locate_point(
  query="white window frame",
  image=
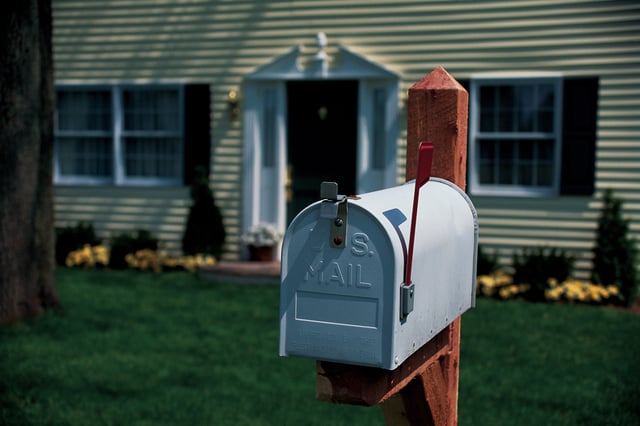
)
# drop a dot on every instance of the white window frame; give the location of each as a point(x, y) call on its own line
point(118, 134)
point(477, 81)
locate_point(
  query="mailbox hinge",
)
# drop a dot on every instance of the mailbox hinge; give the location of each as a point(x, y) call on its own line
point(334, 208)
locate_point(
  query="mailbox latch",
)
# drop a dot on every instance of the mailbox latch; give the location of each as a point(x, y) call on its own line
point(406, 299)
point(334, 208)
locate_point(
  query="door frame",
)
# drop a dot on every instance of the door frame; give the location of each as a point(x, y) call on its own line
point(264, 113)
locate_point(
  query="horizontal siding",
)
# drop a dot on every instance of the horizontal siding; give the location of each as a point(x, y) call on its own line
point(220, 42)
point(112, 210)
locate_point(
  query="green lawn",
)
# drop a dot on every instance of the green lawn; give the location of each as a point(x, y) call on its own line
point(170, 349)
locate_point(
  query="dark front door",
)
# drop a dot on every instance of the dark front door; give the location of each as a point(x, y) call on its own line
point(321, 139)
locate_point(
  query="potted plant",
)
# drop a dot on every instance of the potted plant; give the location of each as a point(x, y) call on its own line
point(261, 239)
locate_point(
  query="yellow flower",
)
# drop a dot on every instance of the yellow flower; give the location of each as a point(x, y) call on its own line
point(503, 279)
point(504, 292)
point(572, 293)
point(485, 282)
point(489, 291)
point(613, 290)
point(170, 262)
point(101, 255)
point(554, 293)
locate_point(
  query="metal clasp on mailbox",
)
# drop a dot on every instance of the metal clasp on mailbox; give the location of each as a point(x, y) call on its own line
point(334, 207)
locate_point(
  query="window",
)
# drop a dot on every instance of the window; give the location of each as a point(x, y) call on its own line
point(120, 135)
point(515, 135)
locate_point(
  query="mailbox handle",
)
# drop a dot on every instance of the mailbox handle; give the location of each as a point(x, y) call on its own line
point(425, 161)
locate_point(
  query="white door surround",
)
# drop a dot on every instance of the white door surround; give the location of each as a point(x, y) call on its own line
point(265, 124)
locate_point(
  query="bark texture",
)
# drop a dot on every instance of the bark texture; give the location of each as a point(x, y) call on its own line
point(27, 284)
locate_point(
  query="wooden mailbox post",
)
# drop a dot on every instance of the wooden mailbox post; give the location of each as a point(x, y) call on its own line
point(424, 389)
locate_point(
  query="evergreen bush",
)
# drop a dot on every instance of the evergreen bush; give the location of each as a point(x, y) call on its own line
point(129, 243)
point(535, 266)
point(487, 262)
point(614, 253)
point(204, 232)
point(72, 238)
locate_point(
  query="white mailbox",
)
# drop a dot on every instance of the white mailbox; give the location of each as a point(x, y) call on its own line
point(345, 296)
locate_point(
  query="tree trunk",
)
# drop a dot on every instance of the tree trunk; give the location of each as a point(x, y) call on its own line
point(27, 284)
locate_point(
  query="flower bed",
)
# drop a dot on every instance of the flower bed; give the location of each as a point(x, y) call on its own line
point(500, 285)
point(583, 292)
point(143, 260)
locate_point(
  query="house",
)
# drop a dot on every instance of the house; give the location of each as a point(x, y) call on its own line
point(274, 96)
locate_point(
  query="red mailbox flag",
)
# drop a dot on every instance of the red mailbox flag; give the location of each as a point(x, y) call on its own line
point(425, 161)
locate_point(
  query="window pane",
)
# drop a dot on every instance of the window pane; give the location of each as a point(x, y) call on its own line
point(546, 96)
point(506, 109)
point(518, 108)
point(84, 110)
point(487, 97)
point(545, 149)
point(506, 121)
point(85, 156)
point(545, 163)
point(526, 108)
point(506, 97)
point(526, 162)
point(506, 164)
point(487, 108)
point(151, 109)
point(515, 162)
point(545, 121)
point(148, 153)
point(487, 120)
point(153, 157)
point(487, 163)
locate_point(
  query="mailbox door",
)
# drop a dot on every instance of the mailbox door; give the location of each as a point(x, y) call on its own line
point(337, 304)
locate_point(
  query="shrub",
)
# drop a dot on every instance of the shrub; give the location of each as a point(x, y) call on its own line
point(487, 262)
point(535, 266)
point(204, 231)
point(71, 238)
point(614, 253)
point(125, 243)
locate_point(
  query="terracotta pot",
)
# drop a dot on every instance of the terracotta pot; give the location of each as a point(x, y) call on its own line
point(261, 253)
